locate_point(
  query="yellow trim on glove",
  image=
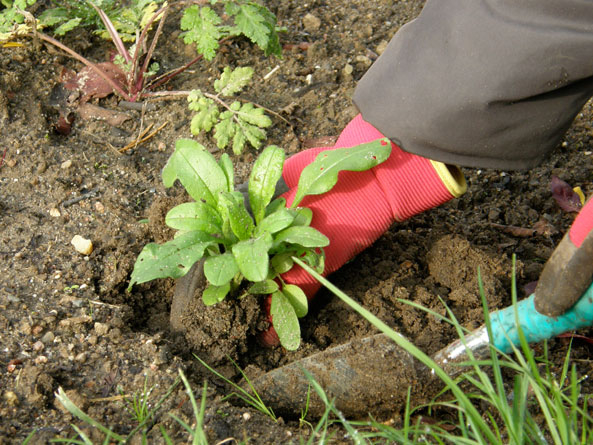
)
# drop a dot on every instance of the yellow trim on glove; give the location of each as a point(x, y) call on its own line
point(452, 178)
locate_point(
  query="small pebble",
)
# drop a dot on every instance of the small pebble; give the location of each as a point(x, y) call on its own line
point(101, 328)
point(10, 162)
point(246, 416)
point(40, 360)
point(38, 346)
point(11, 398)
point(363, 60)
point(381, 47)
point(55, 213)
point(99, 207)
point(41, 167)
point(48, 337)
point(82, 245)
point(66, 164)
point(311, 23)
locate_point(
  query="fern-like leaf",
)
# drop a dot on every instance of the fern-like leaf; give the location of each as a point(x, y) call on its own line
point(257, 23)
point(207, 112)
point(233, 81)
point(225, 129)
point(201, 27)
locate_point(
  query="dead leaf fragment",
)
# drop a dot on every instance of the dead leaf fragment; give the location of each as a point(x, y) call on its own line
point(544, 228)
point(112, 117)
point(565, 196)
point(91, 84)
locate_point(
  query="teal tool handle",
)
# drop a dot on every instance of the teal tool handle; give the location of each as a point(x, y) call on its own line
point(536, 326)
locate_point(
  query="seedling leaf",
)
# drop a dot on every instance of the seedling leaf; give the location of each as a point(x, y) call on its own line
point(252, 257)
point(297, 298)
point(266, 172)
point(234, 209)
point(215, 294)
point(322, 174)
point(257, 23)
point(265, 287)
point(201, 27)
point(194, 216)
point(224, 129)
point(197, 170)
point(233, 81)
point(275, 205)
point(282, 262)
point(302, 216)
point(249, 114)
point(227, 167)
point(67, 26)
point(285, 321)
point(207, 112)
point(220, 269)
point(172, 259)
point(277, 221)
point(302, 235)
point(313, 258)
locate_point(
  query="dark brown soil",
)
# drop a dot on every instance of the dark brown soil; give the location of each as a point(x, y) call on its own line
point(66, 319)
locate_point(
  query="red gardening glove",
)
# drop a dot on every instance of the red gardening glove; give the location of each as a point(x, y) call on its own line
point(362, 205)
point(569, 270)
point(582, 225)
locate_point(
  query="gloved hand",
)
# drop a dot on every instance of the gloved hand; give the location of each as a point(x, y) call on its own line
point(362, 206)
point(569, 271)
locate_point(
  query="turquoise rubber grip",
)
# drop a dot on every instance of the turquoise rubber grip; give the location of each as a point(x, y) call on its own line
point(536, 326)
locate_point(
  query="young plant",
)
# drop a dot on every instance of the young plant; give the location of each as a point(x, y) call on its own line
point(12, 19)
point(238, 123)
point(237, 244)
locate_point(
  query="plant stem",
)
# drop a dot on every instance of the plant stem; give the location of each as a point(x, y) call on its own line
point(117, 41)
point(137, 77)
point(88, 63)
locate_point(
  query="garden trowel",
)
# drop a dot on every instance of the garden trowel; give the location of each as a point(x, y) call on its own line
point(373, 374)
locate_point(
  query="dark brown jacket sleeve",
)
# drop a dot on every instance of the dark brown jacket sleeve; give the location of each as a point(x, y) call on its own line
point(483, 83)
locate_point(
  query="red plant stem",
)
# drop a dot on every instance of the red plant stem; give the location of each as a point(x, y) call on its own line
point(88, 63)
point(166, 77)
point(140, 77)
point(119, 44)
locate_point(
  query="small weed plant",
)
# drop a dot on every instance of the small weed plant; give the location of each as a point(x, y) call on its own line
point(256, 246)
point(238, 122)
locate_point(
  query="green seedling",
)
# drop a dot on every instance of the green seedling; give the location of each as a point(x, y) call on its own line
point(237, 245)
point(12, 18)
point(238, 123)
